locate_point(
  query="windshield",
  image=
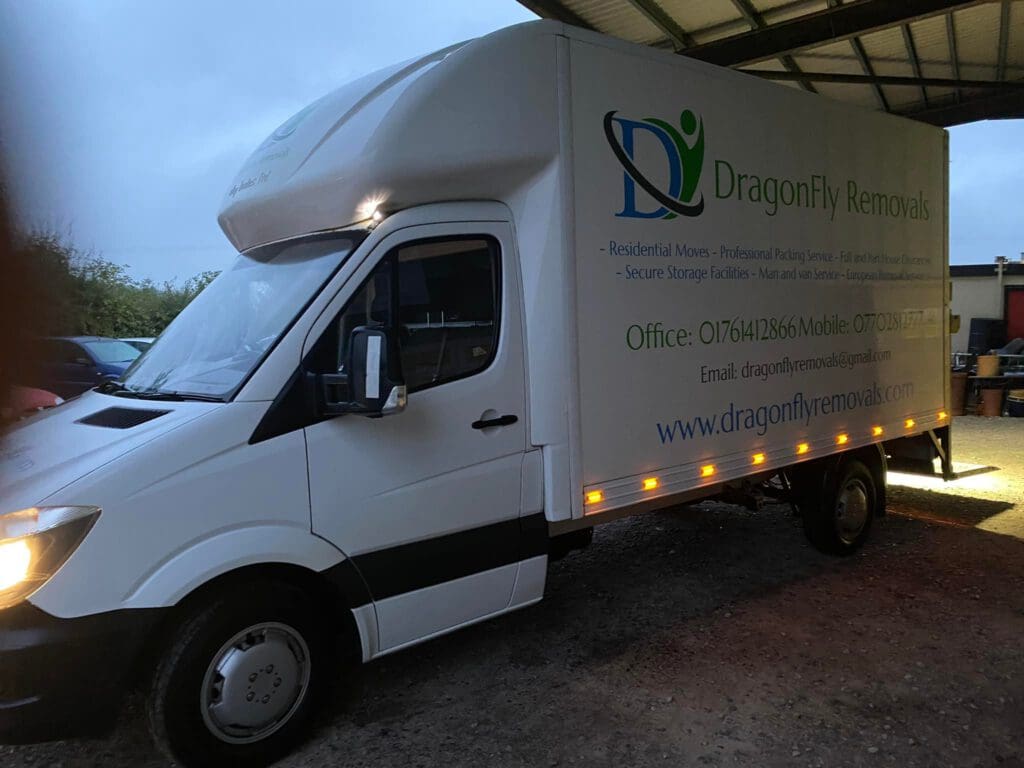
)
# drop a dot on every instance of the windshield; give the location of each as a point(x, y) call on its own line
point(112, 351)
point(216, 342)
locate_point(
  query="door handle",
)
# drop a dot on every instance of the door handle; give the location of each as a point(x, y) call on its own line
point(500, 421)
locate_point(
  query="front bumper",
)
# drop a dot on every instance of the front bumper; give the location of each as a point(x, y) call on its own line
point(65, 677)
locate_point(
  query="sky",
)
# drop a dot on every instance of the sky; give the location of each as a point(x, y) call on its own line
point(124, 122)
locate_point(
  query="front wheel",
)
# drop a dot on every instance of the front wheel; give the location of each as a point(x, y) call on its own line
point(838, 516)
point(237, 684)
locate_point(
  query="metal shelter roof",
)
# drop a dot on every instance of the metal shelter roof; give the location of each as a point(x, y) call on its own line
point(944, 62)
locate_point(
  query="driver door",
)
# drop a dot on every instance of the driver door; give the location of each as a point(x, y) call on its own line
point(426, 502)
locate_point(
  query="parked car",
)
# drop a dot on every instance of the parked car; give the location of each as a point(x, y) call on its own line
point(70, 365)
point(141, 343)
point(24, 401)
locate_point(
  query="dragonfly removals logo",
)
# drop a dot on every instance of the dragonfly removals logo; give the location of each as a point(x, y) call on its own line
point(675, 154)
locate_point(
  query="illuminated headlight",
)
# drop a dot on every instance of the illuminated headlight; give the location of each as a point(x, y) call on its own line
point(34, 543)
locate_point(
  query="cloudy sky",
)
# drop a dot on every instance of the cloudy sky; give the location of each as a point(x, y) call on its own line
point(130, 118)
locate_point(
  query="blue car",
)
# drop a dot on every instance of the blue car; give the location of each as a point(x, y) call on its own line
point(70, 365)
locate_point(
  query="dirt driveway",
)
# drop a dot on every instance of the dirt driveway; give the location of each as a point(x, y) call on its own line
point(711, 635)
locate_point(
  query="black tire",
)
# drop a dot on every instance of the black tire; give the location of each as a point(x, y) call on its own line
point(176, 703)
point(838, 510)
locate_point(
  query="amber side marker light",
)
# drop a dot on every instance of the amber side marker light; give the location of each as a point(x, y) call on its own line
point(802, 448)
point(707, 470)
point(842, 439)
point(594, 497)
point(943, 415)
point(909, 423)
point(650, 483)
point(758, 458)
point(876, 431)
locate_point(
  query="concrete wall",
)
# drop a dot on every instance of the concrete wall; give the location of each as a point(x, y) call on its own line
point(977, 297)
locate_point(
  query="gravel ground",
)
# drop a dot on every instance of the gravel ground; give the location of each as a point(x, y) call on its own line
point(712, 635)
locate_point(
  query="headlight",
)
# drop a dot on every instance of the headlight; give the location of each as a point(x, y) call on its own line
point(34, 543)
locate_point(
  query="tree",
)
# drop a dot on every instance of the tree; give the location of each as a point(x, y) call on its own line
point(84, 294)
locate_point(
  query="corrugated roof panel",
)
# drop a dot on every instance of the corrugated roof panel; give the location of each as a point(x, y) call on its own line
point(970, 71)
point(834, 58)
point(932, 44)
point(618, 18)
point(685, 12)
point(939, 95)
point(761, 6)
point(977, 37)
point(1015, 49)
point(885, 45)
point(902, 96)
point(932, 47)
point(774, 11)
point(768, 64)
point(859, 95)
point(695, 16)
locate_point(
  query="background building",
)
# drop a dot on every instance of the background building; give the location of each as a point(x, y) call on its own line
point(994, 291)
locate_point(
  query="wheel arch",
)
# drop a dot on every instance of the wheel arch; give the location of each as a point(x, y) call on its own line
point(814, 474)
point(335, 592)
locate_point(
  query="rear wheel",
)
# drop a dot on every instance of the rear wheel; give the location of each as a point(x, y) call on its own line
point(237, 684)
point(838, 510)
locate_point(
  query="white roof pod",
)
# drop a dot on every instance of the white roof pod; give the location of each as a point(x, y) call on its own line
point(449, 125)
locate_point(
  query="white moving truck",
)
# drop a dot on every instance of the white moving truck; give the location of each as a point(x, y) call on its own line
point(577, 278)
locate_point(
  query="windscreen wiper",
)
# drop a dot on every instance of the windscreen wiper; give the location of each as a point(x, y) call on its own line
point(119, 390)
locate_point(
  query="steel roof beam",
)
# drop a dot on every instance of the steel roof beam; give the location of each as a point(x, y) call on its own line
point(663, 21)
point(865, 64)
point(1008, 104)
point(832, 24)
point(954, 57)
point(756, 20)
point(917, 82)
point(915, 63)
point(1004, 39)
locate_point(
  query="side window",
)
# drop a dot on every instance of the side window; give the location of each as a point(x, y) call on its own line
point(440, 298)
point(71, 352)
point(447, 309)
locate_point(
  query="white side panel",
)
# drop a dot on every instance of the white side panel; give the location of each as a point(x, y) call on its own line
point(532, 494)
point(227, 551)
point(365, 617)
point(557, 485)
point(789, 292)
point(187, 507)
point(425, 612)
point(530, 580)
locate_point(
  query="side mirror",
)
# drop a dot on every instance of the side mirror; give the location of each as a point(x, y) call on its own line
point(372, 384)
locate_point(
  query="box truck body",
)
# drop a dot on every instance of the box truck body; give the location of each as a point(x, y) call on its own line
point(577, 278)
